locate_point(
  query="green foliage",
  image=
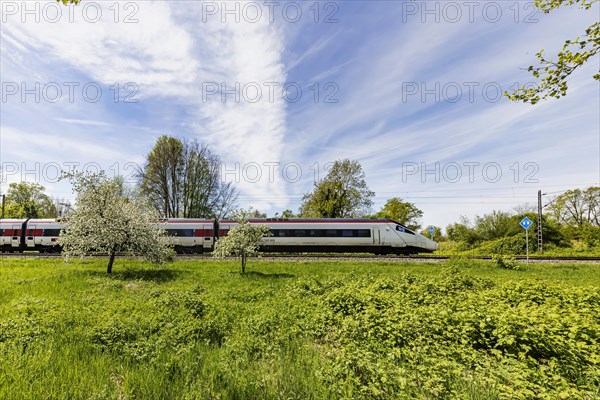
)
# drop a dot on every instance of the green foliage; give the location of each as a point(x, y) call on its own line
point(343, 193)
point(349, 330)
point(461, 232)
point(257, 214)
point(437, 233)
point(574, 54)
point(66, 2)
point(577, 207)
point(28, 200)
point(494, 225)
point(286, 214)
point(499, 232)
point(506, 262)
point(511, 245)
point(243, 240)
point(106, 221)
point(404, 212)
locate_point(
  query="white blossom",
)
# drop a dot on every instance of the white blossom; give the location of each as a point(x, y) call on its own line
point(243, 240)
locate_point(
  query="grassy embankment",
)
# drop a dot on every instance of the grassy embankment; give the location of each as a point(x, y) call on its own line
point(298, 330)
point(496, 247)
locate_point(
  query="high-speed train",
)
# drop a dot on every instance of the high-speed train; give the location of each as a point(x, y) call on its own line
point(377, 236)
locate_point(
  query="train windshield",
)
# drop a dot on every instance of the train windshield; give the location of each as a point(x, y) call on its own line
point(404, 229)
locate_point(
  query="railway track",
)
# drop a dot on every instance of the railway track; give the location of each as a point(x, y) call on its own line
point(336, 257)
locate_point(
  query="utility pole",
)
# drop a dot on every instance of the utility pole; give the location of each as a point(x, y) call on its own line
point(540, 241)
point(3, 203)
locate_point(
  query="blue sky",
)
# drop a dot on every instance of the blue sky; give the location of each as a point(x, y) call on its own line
point(411, 90)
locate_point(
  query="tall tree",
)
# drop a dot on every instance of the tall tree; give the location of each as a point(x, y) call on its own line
point(28, 200)
point(577, 207)
point(243, 240)
point(183, 179)
point(574, 54)
point(204, 194)
point(342, 193)
point(401, 211)
point(160, 178)
point(105, 221)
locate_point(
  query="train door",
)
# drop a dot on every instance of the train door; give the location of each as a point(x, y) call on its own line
point(376, 236)
point(15, 240)
point(207, 239)
point(29, 236)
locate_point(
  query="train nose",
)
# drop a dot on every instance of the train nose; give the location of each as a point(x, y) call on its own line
point(431, 245)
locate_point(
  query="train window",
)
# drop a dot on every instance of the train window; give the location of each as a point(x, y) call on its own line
point(321, 233)
point(180, 232)
point(51, 232)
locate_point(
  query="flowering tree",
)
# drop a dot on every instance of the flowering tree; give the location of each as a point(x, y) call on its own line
point(107, 221)
point(243, 240)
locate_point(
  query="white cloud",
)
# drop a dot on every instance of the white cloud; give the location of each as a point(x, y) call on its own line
point(153, 52)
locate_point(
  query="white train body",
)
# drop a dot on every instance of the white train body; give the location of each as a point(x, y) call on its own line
point(11, 231)
point(190, 235)
point(33, 234)
point(378, 236)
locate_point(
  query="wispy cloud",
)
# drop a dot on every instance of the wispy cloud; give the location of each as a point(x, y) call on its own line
point(181, 63)
point(82, 122)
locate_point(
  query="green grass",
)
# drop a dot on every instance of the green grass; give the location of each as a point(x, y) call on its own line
point(298, 330)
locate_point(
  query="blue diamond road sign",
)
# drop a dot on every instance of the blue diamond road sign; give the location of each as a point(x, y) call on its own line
point(431, 230)
point(526, 223)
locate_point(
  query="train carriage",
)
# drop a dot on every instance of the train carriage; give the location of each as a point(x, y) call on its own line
point(189, 235)
point(378, 236)
point(42, 235)
point(12, 232)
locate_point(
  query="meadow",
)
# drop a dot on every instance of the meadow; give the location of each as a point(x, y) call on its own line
point(199, 329)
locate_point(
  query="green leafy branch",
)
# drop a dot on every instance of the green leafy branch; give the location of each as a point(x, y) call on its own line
point(574, 54)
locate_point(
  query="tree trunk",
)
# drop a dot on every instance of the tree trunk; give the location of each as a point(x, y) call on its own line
point(243, 264)
point(110, 261)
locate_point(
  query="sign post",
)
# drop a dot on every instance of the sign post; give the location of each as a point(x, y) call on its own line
point(526, 224)
point(431, 231)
